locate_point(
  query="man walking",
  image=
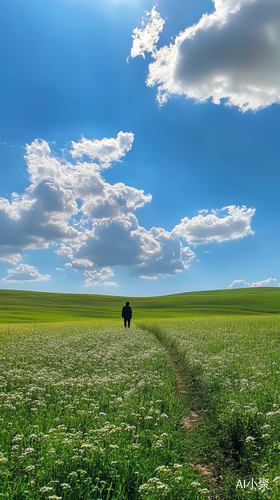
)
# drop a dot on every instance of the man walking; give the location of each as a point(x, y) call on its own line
point(126, 314)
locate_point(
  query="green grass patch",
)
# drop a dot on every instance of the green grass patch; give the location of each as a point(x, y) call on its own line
point(90, 411)
point(22, 306)
point(233, 366)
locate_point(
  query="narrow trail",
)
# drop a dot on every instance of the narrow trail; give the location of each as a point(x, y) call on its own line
point(194, 421)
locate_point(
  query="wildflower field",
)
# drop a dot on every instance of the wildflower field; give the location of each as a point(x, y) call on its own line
point(90, 411)
point(179, 408)
point(234, 364)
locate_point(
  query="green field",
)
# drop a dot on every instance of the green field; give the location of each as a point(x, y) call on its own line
point(185, 405)
point(21, 306)
point(233, 363)
point(90, 411)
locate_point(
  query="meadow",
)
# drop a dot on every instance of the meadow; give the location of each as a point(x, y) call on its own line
point(182, 406)
point(23, 306)
point(233, 362)
point(90, 411)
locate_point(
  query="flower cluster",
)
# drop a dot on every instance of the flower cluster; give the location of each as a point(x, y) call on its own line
point(81, 405)
point(236, 362)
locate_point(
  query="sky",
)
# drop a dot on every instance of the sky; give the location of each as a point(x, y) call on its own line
point(139, 145)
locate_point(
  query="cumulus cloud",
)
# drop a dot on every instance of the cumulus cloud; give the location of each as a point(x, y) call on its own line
point(145, 38)
point(48, 212)
point(105, 151)
point(40, 163)
point(35, 219)
point(163, 254)
point(243, 284)
point(23, 273)
point(239, 284)
point(268, 282)
point(79, 264)
point(234, 223)
point(110, 200)
point(68, 204)
point(122, 242)
point(231, 54)
point(99, 278)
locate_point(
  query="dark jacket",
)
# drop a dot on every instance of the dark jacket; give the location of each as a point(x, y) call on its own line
point(126, 312)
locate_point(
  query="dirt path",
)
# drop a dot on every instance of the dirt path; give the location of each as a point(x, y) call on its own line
point(205, 454)
point(192, 421)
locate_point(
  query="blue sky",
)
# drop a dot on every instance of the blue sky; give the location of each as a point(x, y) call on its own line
point(139, 145)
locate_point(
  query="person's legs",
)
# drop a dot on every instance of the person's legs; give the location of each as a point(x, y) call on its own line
point(125, 320)
point(128, 322)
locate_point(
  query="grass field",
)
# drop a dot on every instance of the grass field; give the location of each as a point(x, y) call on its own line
point(81, 406)
point(21, 306)
point(91, 411)
point(234, 364)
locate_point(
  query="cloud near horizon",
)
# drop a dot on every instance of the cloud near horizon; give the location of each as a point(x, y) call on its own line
point(243, 284)
point(69, 205)
point(232, 54)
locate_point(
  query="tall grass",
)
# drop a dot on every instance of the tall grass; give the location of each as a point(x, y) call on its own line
point(90, 411)
point(235, 364)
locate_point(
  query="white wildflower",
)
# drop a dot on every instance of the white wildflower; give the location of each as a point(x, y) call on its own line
point(250, 439)
point(29, 468)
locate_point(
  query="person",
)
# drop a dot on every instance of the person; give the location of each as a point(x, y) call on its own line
point(126, 314)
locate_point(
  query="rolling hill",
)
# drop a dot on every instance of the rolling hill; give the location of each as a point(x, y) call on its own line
point(24, 306)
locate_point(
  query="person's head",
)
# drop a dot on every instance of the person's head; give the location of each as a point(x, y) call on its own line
point(127, 303)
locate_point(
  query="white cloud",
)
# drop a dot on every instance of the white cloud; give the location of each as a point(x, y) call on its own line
point(23, 273)
point(268, 282)
point(148, 277)
point(122, 242)
point(105, 151)
point(234, 223)
point(239, 284)
point(231, 54)
point(6, 255)
point(47, 211)
point(111, 200)
point(243, 284)
point(99, 278)
point(79, 264)
point(40, 164)
point(92, 222)
point(36, 219)
point(163, 254)
point(145, 38)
